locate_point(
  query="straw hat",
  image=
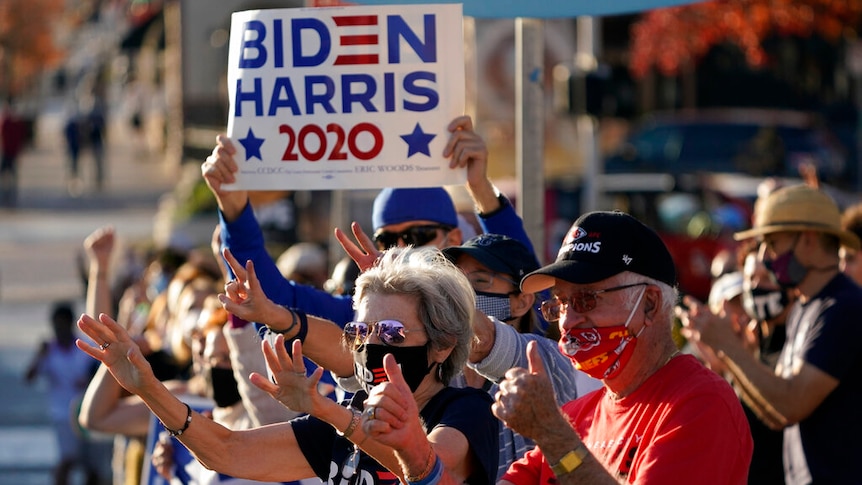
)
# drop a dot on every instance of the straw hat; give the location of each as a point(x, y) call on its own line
point(799, 208)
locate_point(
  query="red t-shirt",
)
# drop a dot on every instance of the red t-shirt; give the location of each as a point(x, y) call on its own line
point(683, 425)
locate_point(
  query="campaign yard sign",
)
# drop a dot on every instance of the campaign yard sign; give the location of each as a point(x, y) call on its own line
point(352, 97)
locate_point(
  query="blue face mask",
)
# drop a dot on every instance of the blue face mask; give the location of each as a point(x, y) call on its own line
point(495, 305)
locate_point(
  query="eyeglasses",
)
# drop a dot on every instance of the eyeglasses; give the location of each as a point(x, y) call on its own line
point(483, 280)
point(415, 235)
point(581, 301)
point(390, 332)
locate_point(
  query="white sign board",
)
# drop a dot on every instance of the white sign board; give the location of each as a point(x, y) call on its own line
point(345, 97)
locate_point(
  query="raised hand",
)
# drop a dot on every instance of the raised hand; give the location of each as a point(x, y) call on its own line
point(245, 298)
point(116, 349)
point(365, 254)
point(220, 169)
point(467, 149)
point(289, 384)
point(100, 245)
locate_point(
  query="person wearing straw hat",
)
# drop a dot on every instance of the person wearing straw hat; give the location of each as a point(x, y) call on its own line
point(817, 383)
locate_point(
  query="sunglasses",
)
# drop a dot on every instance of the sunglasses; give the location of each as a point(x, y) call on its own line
point(581, 301)
point(390, 332)
point(415, 236)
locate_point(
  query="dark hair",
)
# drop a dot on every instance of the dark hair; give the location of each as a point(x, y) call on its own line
point(62, 310)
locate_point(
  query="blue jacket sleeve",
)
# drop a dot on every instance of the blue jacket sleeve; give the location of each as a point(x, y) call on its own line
point(245, 240)
point(507, 222)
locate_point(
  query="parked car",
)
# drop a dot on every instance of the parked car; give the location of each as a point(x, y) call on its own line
point(756, 142)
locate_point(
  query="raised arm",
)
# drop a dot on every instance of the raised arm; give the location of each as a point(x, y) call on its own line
point(321, 338)
point(236, 453)
point(99, 246)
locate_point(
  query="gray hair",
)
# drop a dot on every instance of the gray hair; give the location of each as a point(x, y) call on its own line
point(444, 296)
point(669, 294)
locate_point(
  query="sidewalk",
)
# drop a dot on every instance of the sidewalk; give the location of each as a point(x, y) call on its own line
point(41, 237)
point(39, 243)
point(135, 176)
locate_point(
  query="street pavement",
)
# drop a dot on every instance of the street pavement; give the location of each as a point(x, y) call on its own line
point(39, 243)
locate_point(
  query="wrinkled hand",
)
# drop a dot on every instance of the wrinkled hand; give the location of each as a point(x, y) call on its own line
point(289, 386)
point(526, 402)
point(243, 296)
point(100, 245)
point(119, 352)
point(467, 149)
point(395, 419)
point(365, 254)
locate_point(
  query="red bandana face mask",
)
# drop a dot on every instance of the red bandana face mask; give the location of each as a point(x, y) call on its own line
point(601, 352)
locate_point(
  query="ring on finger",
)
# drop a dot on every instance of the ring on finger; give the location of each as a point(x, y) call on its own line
point(104, 346)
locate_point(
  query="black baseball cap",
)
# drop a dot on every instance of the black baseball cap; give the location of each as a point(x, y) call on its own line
point(500, 254)
point(602, 244)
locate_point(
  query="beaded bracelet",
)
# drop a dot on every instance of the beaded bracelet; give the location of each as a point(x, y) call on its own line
point(433, 477)
point(182, 430)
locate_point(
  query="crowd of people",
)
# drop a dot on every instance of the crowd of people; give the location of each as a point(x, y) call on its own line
point(425, 358)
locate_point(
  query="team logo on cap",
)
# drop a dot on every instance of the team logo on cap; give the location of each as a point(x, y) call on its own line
point(575, 234)
point(571, 244)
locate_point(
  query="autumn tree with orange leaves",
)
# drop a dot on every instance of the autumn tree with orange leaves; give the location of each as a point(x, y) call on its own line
point(670, 38)
point(26, 42)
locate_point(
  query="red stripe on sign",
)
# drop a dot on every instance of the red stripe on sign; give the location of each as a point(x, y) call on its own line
point(355, 20)
point(356, 59)
point(359, 39)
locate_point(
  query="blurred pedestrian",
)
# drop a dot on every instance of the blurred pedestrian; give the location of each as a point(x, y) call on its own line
point(13, 138)
point(72, 137)
point(67, 374)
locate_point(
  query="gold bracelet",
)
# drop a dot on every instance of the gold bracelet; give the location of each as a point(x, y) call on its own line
point(570, 461)
point(355, 419)
point(427, 470)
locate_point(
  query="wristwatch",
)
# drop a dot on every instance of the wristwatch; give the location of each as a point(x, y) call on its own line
point(570, 461)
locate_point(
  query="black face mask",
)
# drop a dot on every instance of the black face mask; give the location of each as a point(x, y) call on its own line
point(764, 305)
point(222, 387)
point(368, 364)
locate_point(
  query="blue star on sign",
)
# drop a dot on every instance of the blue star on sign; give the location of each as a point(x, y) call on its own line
point(417, 142)
point(252, 146)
